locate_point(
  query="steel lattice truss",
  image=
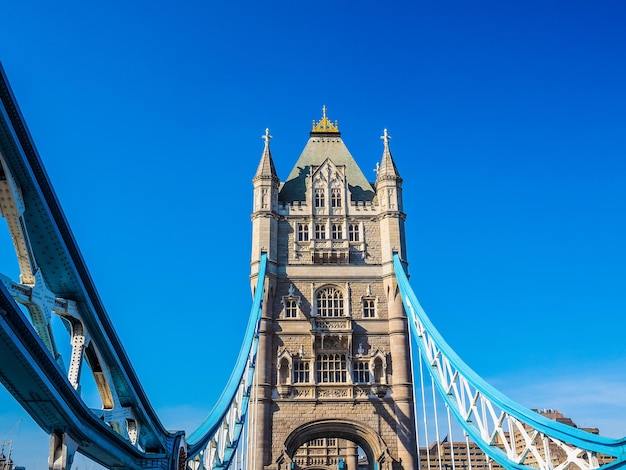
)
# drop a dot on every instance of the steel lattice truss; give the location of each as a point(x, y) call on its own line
point(125, 433)
point(513, 436)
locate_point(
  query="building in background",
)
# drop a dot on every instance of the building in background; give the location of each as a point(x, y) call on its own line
point(6, 463)
point(466, 455)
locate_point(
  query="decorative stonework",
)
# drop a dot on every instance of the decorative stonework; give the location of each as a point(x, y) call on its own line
point(324, 125)
point(330, 324)
point(303, 392)
point(324, 392)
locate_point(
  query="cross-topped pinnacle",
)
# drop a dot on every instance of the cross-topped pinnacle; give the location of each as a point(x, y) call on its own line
point(266, 165)
point(385, 137)
point(387, 167)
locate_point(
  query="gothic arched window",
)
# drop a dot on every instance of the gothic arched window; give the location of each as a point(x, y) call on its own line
point(303, 232)
point(320, 231)
point(353, 232)
point(329, 302)
point(337, 231)
point(320, 198)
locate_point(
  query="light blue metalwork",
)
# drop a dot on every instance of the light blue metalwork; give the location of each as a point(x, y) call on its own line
point(126, 433)
point(485, 413)
point(237, 392)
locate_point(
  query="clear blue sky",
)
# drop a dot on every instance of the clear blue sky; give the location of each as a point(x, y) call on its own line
point(508, 122)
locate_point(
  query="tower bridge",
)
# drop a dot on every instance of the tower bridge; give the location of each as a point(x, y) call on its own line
point(325, 371)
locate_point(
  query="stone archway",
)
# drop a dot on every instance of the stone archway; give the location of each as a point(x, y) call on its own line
point(365, 437)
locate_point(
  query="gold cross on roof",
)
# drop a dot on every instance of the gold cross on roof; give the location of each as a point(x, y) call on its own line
point(324, 125)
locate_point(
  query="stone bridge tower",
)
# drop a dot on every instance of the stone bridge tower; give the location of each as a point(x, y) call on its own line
point(333, 366)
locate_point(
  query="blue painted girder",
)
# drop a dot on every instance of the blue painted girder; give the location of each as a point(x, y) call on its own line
point(58, 257)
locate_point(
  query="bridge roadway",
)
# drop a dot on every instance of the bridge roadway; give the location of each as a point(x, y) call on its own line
point(29, 369)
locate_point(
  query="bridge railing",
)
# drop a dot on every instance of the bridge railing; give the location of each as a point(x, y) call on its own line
point(510, 434)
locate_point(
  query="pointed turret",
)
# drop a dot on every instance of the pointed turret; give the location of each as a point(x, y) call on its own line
point(265, 214)
point(389, 195)
point(392, 240)
point(387, 168)
point(266, 169)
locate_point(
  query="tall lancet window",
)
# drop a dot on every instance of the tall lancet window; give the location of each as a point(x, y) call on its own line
point(320, 198)
point(353, 232)
point(291, 303)
point(337, 231)
point(320, 231)
point(335, 197)
point(303, 232)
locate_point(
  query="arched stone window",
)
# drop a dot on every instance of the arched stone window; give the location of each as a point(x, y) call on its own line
point(379, 371)
point(284, 363)
point(320, 198)
point(354, 232)
point(303, 232)
point(284, 369)
point(378, 368)
point(291, 303)
point(320, 231)
point(330, 302)
point(337, 231)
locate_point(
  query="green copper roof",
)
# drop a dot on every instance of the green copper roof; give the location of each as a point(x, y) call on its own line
point(322, 146)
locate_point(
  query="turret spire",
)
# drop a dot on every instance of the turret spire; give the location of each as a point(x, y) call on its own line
point(264, 220)
point(387, 167)
point(266, 167)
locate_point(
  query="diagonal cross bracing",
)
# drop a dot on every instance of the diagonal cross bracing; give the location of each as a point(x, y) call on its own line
point(54, 278)
point(494, 421)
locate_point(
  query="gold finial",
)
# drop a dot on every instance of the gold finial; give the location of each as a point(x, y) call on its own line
point(324, 125)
